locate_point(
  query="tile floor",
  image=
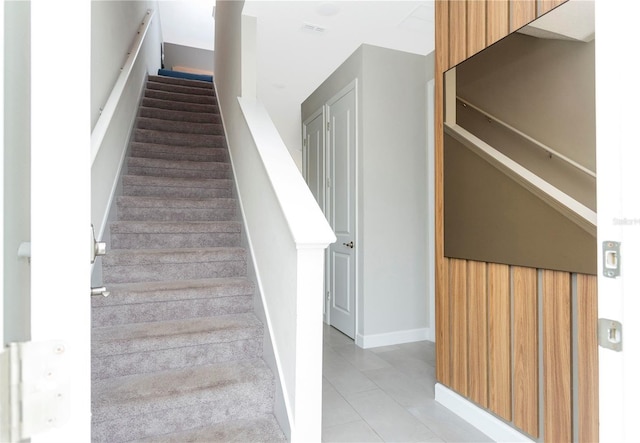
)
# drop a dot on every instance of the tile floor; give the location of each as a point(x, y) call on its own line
point(385, 394)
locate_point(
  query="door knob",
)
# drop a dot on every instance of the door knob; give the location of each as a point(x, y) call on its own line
point(348, 245)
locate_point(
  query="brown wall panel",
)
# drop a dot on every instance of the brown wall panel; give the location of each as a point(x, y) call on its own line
point(442, 273)
point(499, 310)
point(556, 324)
point(443, 326)
point(476, 26)
point(525, 349)
point(497, 20)
point(457, 32)
point(587, 294)
point(522, 12)
point(459, 350)
point(545, 6)
point(478, 369)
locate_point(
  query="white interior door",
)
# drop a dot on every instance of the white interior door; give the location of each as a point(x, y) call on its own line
point(341, 209)
point(618, 185)
point(314, 168)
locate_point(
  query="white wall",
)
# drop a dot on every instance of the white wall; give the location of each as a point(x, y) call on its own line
point(114, 27)
point(393, 297)
point(17, 169)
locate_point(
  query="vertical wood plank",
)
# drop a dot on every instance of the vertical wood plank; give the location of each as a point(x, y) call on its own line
point(497, 20)
point(499, 340)
point(443, 326)
point(522, 13)
point(556, 337)
point(525, 349)
point(442, 273)
point(588, 401)
point(458, 296)
point(457, 32)
point(478, 369)
point(545, 6)
point(476, 26)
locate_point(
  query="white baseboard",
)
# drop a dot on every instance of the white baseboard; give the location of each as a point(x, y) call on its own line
point(493, 427)
point(392, 338)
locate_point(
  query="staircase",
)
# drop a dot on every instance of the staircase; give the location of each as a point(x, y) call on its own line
point(176, 348)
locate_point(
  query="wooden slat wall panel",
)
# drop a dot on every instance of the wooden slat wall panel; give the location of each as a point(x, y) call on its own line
point(478, 369)
point(442, 273)
point(556, 324)
point(525, 349)
point(499, 311)
point(522, 12)
point(545, 6)
point(497, 20)
point(587, 294)
point(443, 340)
point(476, 26)
point(459, 342)
point(457, 32)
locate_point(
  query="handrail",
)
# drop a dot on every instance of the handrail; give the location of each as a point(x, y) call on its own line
point(108, 110)
point(573, 209)
point(539, 144)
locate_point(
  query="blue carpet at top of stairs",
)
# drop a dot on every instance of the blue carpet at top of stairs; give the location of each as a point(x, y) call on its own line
point(185, 75)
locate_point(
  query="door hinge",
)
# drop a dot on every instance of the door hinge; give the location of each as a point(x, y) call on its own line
point(328, 296)
point(328, 182)
point(35, 389)
point(610, 334)
point(328, 126)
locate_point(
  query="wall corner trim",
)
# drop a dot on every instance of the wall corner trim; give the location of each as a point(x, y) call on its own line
point(490, 425)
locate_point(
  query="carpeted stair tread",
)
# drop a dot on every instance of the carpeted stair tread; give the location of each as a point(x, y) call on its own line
point(168, 334)
point(180, 116)
point(180, 81)
point(145, 180)
point(181, 97)
point(262, 429)
point(184, 89)
point(186, 127)
point(178, 290)
point(172, 152)
point(179, 106)
point(177, 168)
point(135, 265)
point(147, 235)
point(183, 203)
point(178, 138)
point(220, 386)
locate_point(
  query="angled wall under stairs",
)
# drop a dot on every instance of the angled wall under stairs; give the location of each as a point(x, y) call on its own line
point(176, 347)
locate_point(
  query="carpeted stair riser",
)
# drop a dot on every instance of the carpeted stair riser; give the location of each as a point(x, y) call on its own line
point(180, 82)
point(180, 116)
point(168, 152)
point(260, 429)
point(171, 310)
point(176, 168)
point(180, 126)
point(172, 188)
point(157, 346)
point(179, 106)
point(180, 97)
point(140, 406)
point(179, 139)
point(183, 89)
point(158, 209)
point(127, 266)
point(167, 235)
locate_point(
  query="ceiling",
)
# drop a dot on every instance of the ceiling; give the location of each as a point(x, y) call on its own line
point(573, 20)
